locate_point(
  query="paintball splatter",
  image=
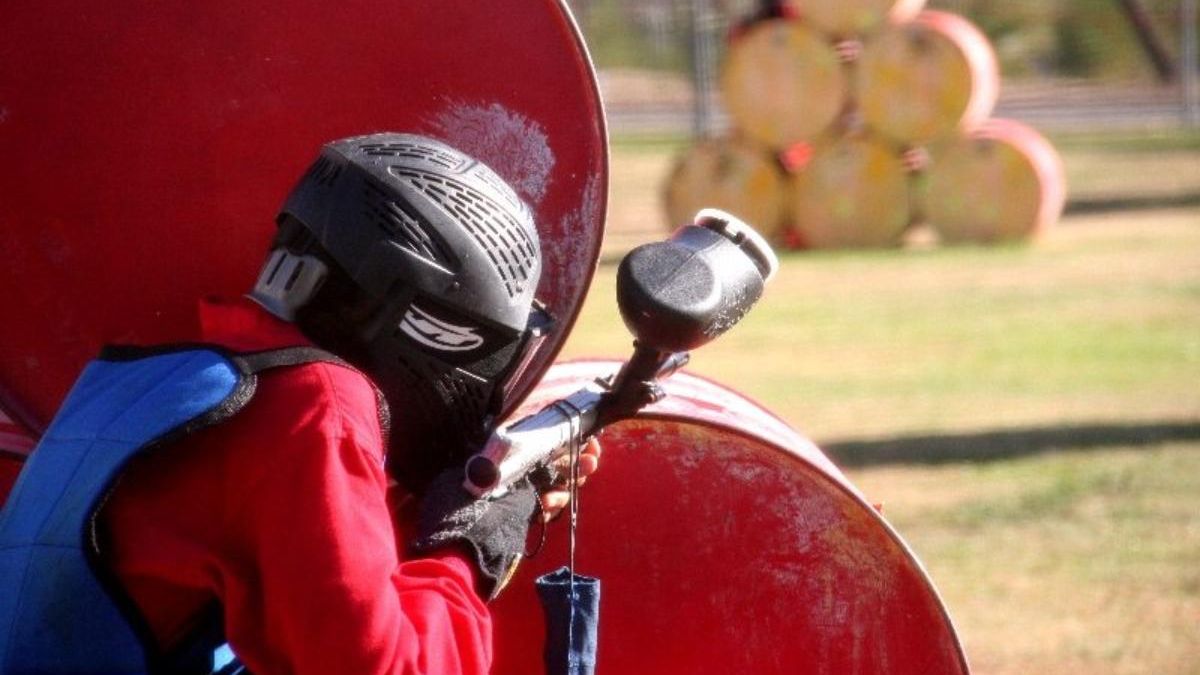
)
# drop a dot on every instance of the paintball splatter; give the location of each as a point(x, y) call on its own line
point(518, 148)
point(570, 247)
point(512, 144)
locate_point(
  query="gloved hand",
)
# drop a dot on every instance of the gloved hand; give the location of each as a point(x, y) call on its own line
point(491, 530)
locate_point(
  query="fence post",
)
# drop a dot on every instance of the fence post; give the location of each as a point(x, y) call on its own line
point(704, 26)
point(1190, 67)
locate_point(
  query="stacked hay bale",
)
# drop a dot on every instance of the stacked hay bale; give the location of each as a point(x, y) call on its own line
point(853, 119)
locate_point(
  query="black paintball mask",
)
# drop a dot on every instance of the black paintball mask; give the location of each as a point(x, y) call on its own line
point(418, 265)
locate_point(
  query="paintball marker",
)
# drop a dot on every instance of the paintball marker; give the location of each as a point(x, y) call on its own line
point(674, 296)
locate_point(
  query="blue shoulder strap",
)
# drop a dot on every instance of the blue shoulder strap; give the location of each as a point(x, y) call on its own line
point(57, 614)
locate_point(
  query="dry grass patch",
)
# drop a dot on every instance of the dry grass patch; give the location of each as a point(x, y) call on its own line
point(1061, 563)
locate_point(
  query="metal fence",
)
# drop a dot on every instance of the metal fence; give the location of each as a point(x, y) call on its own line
point(1066, 64)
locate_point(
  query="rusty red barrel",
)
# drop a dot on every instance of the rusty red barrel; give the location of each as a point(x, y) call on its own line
point(926, 79)
point(727, 543)
point(147, 146)
point(1002, 182)
point(735, 175)
point(853, 18)
point(852, 193)
point(782, 83)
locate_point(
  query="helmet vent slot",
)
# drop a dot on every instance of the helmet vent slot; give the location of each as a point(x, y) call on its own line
point(457, 393)
point(402, 226)
point(469, 395)
point(509, 247)
point(486, 175)
point(325, 171)
point(429, 402)
point(411, 151)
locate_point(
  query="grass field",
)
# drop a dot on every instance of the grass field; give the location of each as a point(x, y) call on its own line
point(1038, 407)
point(1063, 562)
point(1135, 171)
point(1100, 322)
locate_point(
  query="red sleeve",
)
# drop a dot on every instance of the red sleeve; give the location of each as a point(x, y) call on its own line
point(319, 586)
point(282, 514)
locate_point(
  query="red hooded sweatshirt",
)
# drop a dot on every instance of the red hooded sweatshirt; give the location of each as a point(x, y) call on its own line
point(282, 515)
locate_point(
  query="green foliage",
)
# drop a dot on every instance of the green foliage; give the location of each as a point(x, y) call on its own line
point(1074, 38)
point(1094, 41)
point(621, 34)
point(1018, 29)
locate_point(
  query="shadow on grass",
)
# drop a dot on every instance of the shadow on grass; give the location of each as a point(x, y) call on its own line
point(1130, 203)
point(1005, 444)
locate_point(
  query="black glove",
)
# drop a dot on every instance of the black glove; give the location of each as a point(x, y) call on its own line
point(493, 530)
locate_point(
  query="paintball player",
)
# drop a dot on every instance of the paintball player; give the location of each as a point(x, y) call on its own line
point(291, 482)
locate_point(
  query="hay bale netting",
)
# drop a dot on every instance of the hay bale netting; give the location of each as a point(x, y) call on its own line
point(1002, 182)
point(730, 174)
point(929, 78)
point(853, 193)
point(782, 83)
point(851, 18)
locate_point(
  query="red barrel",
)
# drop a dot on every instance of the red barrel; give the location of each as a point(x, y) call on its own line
point(727, 543)
point(926, 79)
point(1002, 182)
point(148, 145)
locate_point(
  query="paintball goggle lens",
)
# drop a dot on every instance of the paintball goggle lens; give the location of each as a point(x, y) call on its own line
point(538, 328)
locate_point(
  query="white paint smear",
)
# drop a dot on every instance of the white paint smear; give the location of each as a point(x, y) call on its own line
point(570, 248)
point(514, 145)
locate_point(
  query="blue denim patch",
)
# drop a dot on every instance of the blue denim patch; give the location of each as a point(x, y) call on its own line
point(572, 621)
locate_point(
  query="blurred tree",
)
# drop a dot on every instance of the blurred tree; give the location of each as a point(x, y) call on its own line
point(1018, 29)
point(1075, 38)
point(1148, 36)
point(1097, 39)
point(1069, 38)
